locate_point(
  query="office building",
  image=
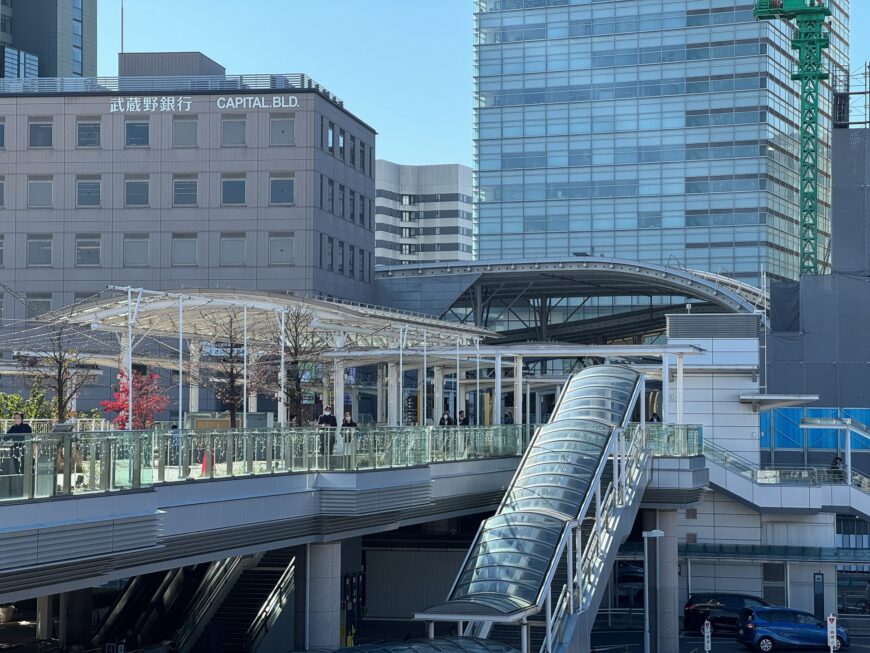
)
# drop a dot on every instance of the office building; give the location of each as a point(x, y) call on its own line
point(423, 213)
point(631, 129)
point(265, 184)
point(61, 34)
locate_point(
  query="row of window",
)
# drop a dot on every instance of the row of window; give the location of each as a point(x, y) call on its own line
point(184, 250)
point(337, 142)
point(137, 132)
point(346, 203)
point(137, 190)
point(344, 258)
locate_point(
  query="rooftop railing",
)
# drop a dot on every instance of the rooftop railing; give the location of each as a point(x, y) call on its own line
point(45, 465)
point(162, 84)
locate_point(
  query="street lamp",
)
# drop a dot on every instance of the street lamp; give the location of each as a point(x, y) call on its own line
point(654, 534)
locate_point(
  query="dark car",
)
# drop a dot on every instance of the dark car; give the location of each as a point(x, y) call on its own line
point(768, 628)
point(722, 609)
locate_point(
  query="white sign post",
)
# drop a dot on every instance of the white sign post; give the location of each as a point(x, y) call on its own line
point(708, 640)
point(832, 633)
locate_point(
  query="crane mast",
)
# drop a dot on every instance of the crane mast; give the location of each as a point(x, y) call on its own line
point(809, 40)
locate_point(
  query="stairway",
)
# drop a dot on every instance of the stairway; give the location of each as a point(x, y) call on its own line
point(228, 629)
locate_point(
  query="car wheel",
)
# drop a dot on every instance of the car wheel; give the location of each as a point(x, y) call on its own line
point(765, 644)
point(839, 645)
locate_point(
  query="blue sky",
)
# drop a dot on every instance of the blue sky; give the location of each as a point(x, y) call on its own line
point(403, 66)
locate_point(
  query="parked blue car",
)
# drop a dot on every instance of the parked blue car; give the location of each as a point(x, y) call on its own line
point(769, 628)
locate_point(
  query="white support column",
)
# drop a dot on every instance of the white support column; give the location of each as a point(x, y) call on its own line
point(282, 371)
point(338, 389)
point(680, 387)
point(382, 396)
point(438, 393)
point(195, 349)
point(354, 402)
point(666, 388)
point(245, 368)
point(129, 353)
point(848, 469)
point(477, 415)
point(393, 407)
point(180, 361)
point(518, 389)
point(252, 402)
point(528, 411)
point(497, 411)
point(643, 399)
point(324, 596)
point(44, 618)
point(425, 384)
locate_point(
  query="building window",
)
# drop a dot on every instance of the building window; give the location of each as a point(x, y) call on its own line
point(330, 138)
point(321, 191)
point(184, 132)
point(371, 213)
point(351, 263)
point(362, 265)
point(39, 192)
point(88, 134)
point(351, 209)
point(36, 304)
point(233, 190)
point(136, 133)
point(135, 192)
point(40, 134)
point(88, 191)
point(330, 253)
point(340, 257)
point(87, 250)
point(39, 250)
point(281, 190)
point(341, 143)
point(183, 250)
point(2, 244)
point(136, 250)
point(352, 150)
point(362, 210)
point(281, 249)
point(369, 266)
point(232, 249)
point(341, 200)
point(184, 190)
point(319, 251)
point(281, 130)
point(321, 132)
point(233, 132)
point(330, 196)
point(2, 192)
point(362, 156)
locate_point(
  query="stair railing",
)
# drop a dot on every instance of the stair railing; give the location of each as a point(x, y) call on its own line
point(215, 585)
point(272, 607)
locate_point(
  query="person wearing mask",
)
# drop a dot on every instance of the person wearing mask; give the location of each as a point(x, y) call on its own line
point(445, 420)
point(327, 418)
point(463, 418)
point(15, 438)
point(348, 421)
point(655, 418)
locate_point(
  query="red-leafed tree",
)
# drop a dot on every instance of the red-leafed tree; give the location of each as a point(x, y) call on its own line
point(148, 400)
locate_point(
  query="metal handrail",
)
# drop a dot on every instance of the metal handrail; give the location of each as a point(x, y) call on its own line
point(272, 607)
point(218, 581)
point(42, 465)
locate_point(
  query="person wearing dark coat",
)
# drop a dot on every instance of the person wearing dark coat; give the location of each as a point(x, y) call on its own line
point(327, 419)
point(16, 435)
point(445, 420)
point(348, 421)
point(463, 418)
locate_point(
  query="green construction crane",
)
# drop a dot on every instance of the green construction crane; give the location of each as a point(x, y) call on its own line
point(809, 40)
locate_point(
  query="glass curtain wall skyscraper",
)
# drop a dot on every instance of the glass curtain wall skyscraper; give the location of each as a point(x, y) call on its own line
point(665, 131)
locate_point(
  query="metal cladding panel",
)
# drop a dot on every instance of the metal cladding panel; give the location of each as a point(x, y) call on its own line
point(18, 549)
point(851, 204)
point(354, 502)
point(713, 326)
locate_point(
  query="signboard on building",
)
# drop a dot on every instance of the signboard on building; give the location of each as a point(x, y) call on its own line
point(184, 103)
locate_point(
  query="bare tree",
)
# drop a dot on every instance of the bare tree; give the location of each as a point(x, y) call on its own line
point(304, 346)
point(222, 366)
point(58, 367)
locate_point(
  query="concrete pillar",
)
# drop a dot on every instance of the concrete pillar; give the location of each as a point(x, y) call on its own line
point(460, 399)
point(666, 383)
point(63, 619)
point(680, 387)
point(324, 596)
point(43, 617)
point(252, 402)
point(497, 410)
point(338, 389)
point(193, 379)
point(354, 402)
point(518, 389)
point(438, 393)
point(393, 403)
point(538, 407)
point(667, 588)
point(382, 397)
